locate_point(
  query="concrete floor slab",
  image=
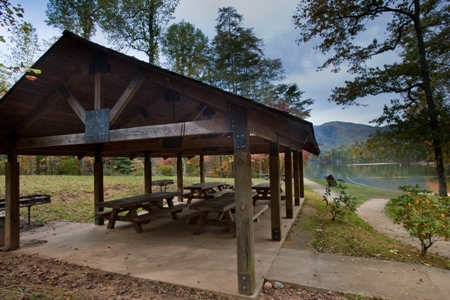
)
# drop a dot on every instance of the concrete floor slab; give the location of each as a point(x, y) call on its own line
point(166, 251)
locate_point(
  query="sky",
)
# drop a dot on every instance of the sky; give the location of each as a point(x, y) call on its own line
point(272, 22)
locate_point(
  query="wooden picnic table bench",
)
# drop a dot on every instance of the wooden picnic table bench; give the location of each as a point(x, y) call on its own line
point(150, 202)
point(205, 190)
point(222, 205)
point(263, 192)
point(162, 183)
point(28, 202)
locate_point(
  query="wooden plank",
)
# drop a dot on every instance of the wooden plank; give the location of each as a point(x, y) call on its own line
point(288, 182)
point(127, 95)
point(244, 223)
point(296, 179)
point(275, 190)
point(12, 211)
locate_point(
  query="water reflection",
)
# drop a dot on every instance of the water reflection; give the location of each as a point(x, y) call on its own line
point(386, 175)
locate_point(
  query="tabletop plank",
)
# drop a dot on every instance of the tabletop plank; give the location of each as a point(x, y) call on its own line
point(140, 199)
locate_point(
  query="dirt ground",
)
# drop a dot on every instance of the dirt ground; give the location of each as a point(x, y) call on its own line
point(33, 277)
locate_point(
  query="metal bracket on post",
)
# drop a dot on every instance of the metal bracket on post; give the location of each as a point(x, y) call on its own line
point(97, 126)
point(275, 234)
point(237, 122)
point(244, 282)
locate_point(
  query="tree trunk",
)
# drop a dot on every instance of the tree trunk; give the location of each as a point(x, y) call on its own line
point(434, 122)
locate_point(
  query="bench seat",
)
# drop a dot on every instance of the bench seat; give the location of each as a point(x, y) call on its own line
point(145, 217)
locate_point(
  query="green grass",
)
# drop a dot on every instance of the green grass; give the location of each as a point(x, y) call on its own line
point(73, 196)
point(349, 235)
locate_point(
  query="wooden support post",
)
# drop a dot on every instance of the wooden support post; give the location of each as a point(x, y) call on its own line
point(12, 205)
point(98, 184)
point(202, 168)
point(301, 175)
point(296, 179)
point(237, 122)
point(180, 176)
point(275, 194)
point(288, 182)
point(244, 223)
point(148, 173)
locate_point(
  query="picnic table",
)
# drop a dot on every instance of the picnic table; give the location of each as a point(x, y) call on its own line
point(263, 191)
point(206, 190)
point(149, 202)
point(223, 206)
point(28, 202)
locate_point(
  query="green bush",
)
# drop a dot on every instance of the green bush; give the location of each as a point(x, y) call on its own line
point(423, 213)
point(165, 170)
point(342, 204)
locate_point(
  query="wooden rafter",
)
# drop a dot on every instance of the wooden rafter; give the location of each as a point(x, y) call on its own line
point(74, 103)
point(126, 96)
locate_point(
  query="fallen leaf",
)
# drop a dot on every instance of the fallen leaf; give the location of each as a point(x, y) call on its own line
point(31, 77)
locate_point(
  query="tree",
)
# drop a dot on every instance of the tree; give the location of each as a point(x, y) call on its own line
point(413, 29)
point(136, 24)
point(186, 49)
point(288, 98)
point(10, 17)
point(78, 16)
point(239, 63)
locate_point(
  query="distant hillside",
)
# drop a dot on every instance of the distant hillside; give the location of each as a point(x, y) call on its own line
point(334, 134)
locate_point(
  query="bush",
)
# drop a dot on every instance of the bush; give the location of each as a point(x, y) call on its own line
point(165, 170)
point(341, 205)
point(423, 214)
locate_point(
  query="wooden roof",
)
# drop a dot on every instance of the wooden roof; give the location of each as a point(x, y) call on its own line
point(150, 109)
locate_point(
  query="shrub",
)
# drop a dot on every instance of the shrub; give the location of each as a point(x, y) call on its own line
point(342, 204)
point(423, 214)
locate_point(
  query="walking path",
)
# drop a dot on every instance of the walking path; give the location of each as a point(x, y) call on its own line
point(363, 276)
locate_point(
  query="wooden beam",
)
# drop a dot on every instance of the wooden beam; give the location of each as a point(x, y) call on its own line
point(55, 97)
point(275, 194)
point(73, 102)
point(127, 95)
point(262, 131)
point(129, 134)
point(202, 168)
point(301, 175)
point(296, 179)
point(288, 182)
point(148, 173)
point(98, 101)
point(244, 223)
point(180, 176)
point(98, 185)
point(12, 206)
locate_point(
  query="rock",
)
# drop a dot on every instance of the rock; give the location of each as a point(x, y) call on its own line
point(278, 285)
point(268, 285)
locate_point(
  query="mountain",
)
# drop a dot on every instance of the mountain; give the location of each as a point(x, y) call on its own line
point(334, 134)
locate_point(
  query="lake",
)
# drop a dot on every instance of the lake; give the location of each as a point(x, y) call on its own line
point(381, 175)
